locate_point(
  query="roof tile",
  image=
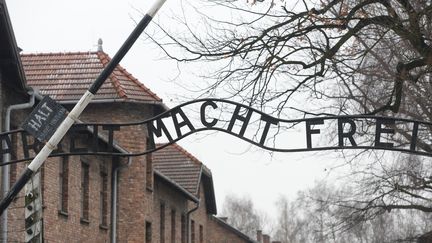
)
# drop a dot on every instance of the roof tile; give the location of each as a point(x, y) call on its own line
point(66, 77)
point(178, 165)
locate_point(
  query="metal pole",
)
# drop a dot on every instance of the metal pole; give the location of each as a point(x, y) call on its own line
point(78, 108)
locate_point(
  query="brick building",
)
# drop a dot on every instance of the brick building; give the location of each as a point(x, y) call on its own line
point(87, 198)
point(168, 198)
point(102, 197)
point(176, 167)
point(12, 85)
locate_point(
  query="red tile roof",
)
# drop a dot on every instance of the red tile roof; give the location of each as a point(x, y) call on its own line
point(185, 171)
point(66, 77)
point(179, 165)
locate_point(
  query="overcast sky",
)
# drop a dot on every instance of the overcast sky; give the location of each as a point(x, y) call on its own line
point(237, 167)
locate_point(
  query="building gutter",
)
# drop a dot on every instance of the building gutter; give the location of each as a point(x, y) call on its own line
point(7, 157)
point(103, 101)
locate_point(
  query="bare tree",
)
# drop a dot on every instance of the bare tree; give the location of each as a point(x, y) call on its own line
point(345, 56)
point(268, 57)
point(242, 214)
point(313, 217)
point(290, 225)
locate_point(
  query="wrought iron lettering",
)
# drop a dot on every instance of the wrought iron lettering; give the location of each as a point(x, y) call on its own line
point(379, 130)
point(7, 147)
point(310, 131)
point(203, 114)
point(178, 125)
point(160, 127)
point(236, 116)
point(268, 121)
point(246, 123)
point(349, 134)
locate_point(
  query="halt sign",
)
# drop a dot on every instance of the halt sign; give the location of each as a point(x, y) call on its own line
point(44, 119)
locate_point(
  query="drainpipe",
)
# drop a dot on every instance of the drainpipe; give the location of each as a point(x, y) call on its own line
point(7, 157)
point(188, 238)
point(114, 194)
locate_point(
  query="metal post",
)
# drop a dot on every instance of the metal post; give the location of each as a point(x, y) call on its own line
point(79, 107)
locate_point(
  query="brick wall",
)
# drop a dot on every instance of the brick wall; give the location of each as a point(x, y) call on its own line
point(206, 229)
point(173, 201)
point(200, 216)
point(218, 233)
point(15, 210)
point(137, 203)
point(66, 226)
point(135, 200)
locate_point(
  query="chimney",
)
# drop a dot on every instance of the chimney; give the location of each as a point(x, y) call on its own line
point(266, 239)
point(259, 236)
point(100, 42)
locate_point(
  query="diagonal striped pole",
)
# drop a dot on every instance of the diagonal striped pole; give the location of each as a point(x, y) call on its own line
point(78, 108)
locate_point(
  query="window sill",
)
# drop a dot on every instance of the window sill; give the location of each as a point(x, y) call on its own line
point(63, 213)
point(84, 221)
point(103, 226)
point(149, 189)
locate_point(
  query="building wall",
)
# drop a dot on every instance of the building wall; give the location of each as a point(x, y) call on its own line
point(58, 225)
point(8, 96)
point(138, 202)
point(217, 233)
point(15, 211)
point(173, 201)
point(135, 198)
point(205, 229)
point(65, 226)
point(132, 209)
point(200, 218)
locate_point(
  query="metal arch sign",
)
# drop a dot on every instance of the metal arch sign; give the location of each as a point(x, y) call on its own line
point(249, 124)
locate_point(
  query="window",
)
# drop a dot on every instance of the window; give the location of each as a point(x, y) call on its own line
point(183, 229)
point(103, 195)
point(173, 225)
point(149, 165)
point(192, 231)
point(63, 184)
point(201, 234)
point(85, 170)
point(13, 167)
point(162, 222)
point(148, 232)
